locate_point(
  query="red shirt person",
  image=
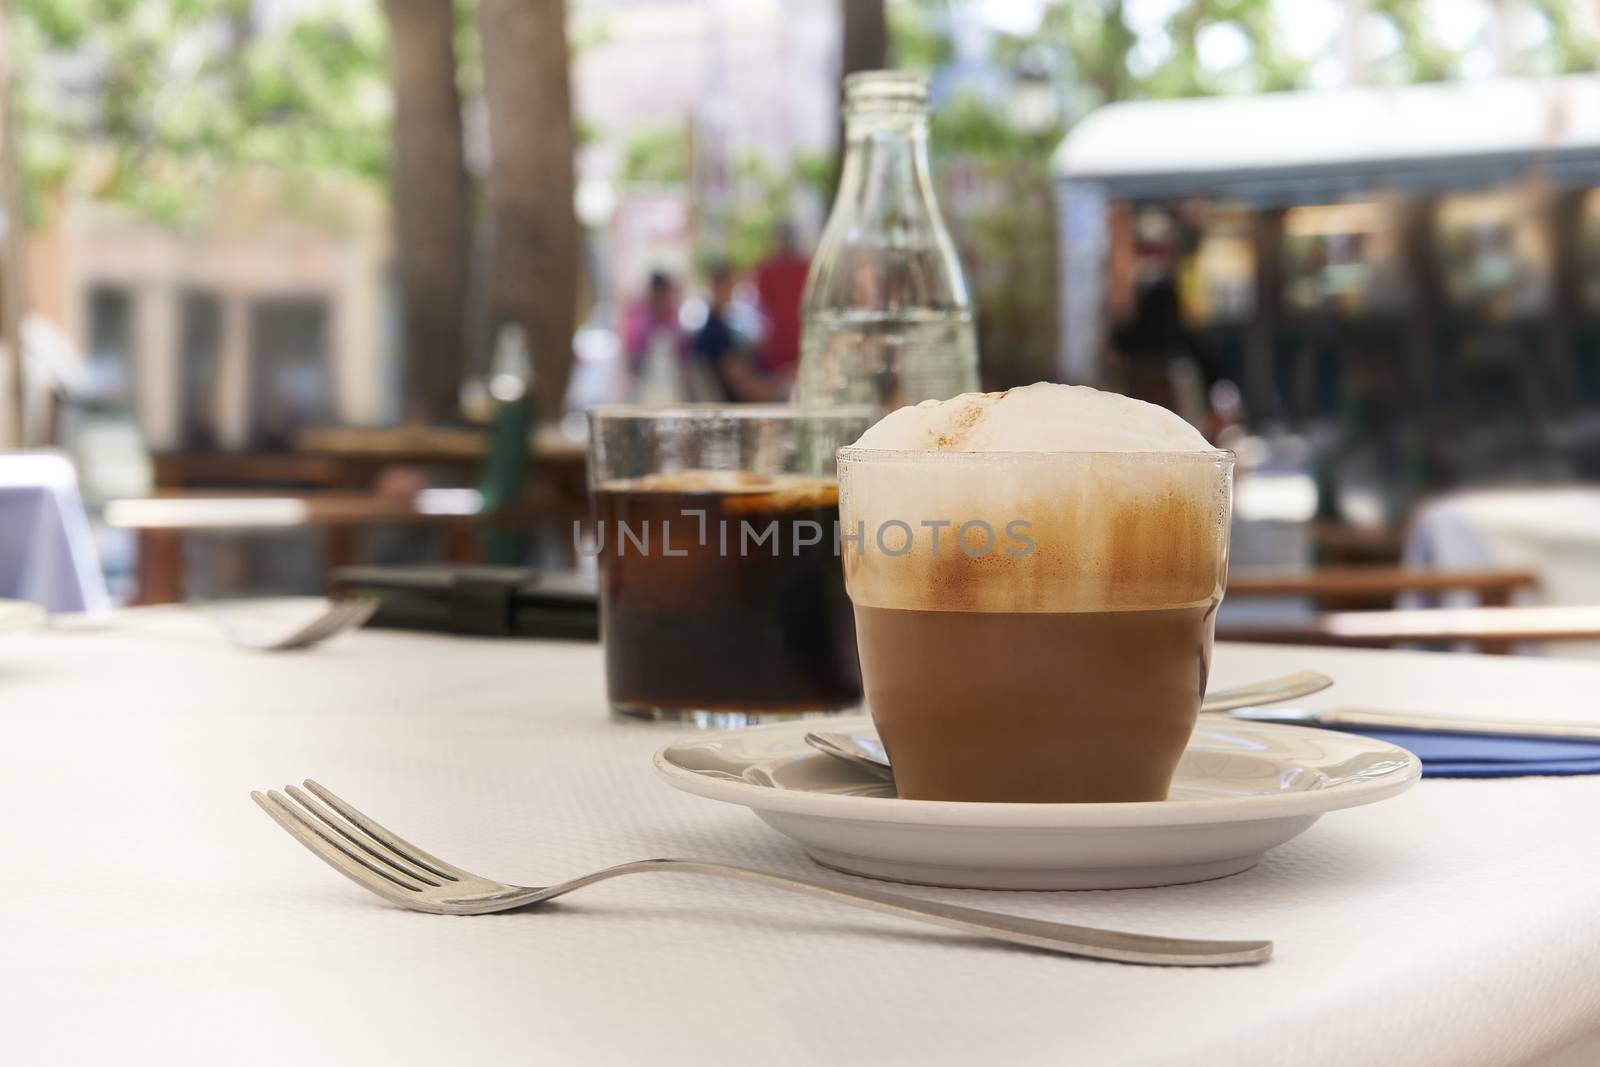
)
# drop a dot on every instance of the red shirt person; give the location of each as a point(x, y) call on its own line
point(780, 282)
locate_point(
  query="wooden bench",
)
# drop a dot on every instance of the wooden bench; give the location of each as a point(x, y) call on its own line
point(163, 523)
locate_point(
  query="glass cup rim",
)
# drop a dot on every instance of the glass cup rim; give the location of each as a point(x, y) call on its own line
point(696, 412)
point(915, 457)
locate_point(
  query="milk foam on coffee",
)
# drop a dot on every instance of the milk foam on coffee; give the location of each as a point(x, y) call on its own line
point(1043, 417)
point(1048, 498)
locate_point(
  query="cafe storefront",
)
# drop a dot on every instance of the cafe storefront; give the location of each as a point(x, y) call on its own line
point(1434, 244)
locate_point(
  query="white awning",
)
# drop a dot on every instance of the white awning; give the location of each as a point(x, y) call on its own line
point(1322, 136)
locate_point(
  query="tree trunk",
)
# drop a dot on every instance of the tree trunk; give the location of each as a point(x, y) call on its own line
point(866, 36)
point(1425, 306)
point(1563, 219)
point(430, 194)
point(534, 281)
point(1260, 358)
point(12, 254)
point(865, 46)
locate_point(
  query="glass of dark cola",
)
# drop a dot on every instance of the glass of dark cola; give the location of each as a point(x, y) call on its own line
point(722, 601)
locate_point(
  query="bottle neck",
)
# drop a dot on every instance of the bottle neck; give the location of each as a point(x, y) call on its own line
point(886, 172)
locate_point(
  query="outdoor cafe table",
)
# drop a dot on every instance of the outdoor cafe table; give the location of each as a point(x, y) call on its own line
point(152, 912)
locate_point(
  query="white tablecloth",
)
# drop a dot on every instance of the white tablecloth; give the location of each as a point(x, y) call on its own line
point(151, 912)
point(46, 551)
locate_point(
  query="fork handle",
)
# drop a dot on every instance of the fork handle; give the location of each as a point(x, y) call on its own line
point(1018, 930)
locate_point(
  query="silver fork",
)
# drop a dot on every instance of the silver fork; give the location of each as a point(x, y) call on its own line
point(404, 874)
point(342, 615)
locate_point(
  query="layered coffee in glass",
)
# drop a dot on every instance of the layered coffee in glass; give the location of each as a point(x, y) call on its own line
point(1035, 621)
point(721, 597)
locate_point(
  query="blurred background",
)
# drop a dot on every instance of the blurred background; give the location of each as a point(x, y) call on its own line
point(300, 283)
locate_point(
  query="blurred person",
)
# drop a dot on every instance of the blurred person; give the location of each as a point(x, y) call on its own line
point(1498, 374)
point(58, 377)
point(1224, 425)
point(656, 344)
point(780, 283)
point(1162, 360)
point(725, 345)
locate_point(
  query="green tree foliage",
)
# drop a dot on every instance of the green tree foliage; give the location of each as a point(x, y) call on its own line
point(915, 39)
point(1572, 47)
point(995, 185)
point(1097, 37)
point(1109, 62)
point(656, 155)
point(764, 200)
point(169, 96)
point(1421, 57)
point(1267, 66)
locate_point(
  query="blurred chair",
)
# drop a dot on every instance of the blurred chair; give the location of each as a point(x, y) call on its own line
point(464, 517)
point(164, 523)
point(1379, 587)
point(1332, 598)
point(1342, 544)
point(505, 475)
point(47, 553)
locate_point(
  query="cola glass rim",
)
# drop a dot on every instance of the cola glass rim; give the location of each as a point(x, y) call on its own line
point(721, 436)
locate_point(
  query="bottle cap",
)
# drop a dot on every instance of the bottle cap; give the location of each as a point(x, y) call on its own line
point(886, 90)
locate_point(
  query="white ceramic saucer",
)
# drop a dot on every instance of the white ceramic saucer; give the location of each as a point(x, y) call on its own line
point(1241, 788)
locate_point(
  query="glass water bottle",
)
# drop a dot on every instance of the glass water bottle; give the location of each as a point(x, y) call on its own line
point(886, 316)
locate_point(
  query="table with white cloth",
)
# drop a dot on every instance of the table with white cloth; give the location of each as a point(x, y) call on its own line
point(152, 913)
point(47, 552)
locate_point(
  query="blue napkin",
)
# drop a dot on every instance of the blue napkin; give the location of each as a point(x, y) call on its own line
point(1465, 755)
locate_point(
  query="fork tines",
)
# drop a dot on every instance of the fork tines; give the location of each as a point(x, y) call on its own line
point(353, 844)
point(344, 615)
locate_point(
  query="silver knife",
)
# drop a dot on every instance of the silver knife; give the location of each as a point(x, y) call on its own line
point(1420, 722)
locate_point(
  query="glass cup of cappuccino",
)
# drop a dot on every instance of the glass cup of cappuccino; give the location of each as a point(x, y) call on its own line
point(721, 597)
point(1034, 626)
